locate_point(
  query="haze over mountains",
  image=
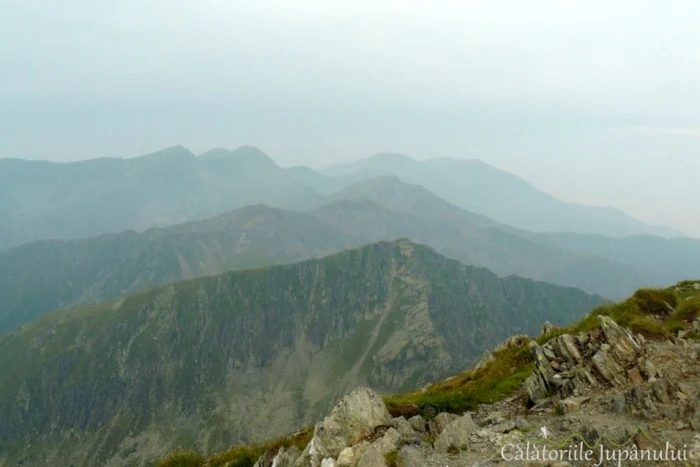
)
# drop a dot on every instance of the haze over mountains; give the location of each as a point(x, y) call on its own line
point(81, 199)
point(476, 186)
point(40, 200)
point(243, 356)
point(176, 301)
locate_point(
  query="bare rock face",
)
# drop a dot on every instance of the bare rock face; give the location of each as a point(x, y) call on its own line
point(567, 363)
point(355, 417)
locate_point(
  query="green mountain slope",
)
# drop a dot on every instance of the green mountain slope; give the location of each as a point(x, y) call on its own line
point(45, 276)
point(246, 355)
point(44, 200)
point(480, 188)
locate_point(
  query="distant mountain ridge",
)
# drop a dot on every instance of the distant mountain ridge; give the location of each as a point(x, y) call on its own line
point(501, 196)
point(247, 355)
point(45, 200)
point(44, 276)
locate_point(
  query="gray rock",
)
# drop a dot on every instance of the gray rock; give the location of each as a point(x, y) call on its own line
point(372, 458)
point(349, 456)
point(660, 387)
point(608, 368)
point(456, 434)
point(549, 353)
point(522, 424)
point(410, 457)
point(619, 404)
point(355, 417)
point(438, 424)
point(387, 443)
point(417, 423)
point(408, 434)
point(623, 347)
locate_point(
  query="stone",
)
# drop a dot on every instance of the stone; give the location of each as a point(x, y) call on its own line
point(557, 381)
point(619, 404)
point(456, 434)
point(622, 346)
point(286, 457)
point(637, 394)
point(635, 376)
point(494, 418)
point(438, 424)
point(410, 457)
point(350, 456)
point(329, 462)
point(354, 418)
point(522, 424)
point(660, 388)
point(387, 443)
point(504, 427)
point(649, 369)
point(372, 458)
point(549, 353)
point(408, 434)
point(417, 423)
point(568, 405)
point(608, 368)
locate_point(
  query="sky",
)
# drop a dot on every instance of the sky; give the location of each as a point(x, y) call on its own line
point(592, 101)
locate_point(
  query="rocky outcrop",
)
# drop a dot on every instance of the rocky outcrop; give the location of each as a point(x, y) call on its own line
point(610, 355)
point(355, 418)
point(359, 432)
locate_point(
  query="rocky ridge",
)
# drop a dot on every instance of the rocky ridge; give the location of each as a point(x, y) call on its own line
point(607, 387)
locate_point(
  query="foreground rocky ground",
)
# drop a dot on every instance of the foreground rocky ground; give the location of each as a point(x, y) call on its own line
point(603, 395)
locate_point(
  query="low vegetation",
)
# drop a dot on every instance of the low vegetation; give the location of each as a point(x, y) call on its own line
point(240, 456)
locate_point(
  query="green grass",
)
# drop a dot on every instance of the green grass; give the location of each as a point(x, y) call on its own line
point(499, 379)
point(239, 456)
point(182, 459)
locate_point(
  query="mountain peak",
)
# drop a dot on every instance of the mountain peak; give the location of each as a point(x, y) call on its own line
point(173, 152)
point(243, 154)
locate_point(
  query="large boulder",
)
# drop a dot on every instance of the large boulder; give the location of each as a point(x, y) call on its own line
point(355, 418)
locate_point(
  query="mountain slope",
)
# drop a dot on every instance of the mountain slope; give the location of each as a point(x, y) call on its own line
point(478, 187)
point(44, 200)
point(670, 259)
point(45, 276)
point(246, 355)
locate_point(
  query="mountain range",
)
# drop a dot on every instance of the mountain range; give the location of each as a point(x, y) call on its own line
point(44, 276)
point(242, 356)
point(479, 187)
point(43, 200)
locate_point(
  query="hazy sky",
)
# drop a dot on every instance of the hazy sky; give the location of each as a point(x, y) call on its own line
point(593, 101)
